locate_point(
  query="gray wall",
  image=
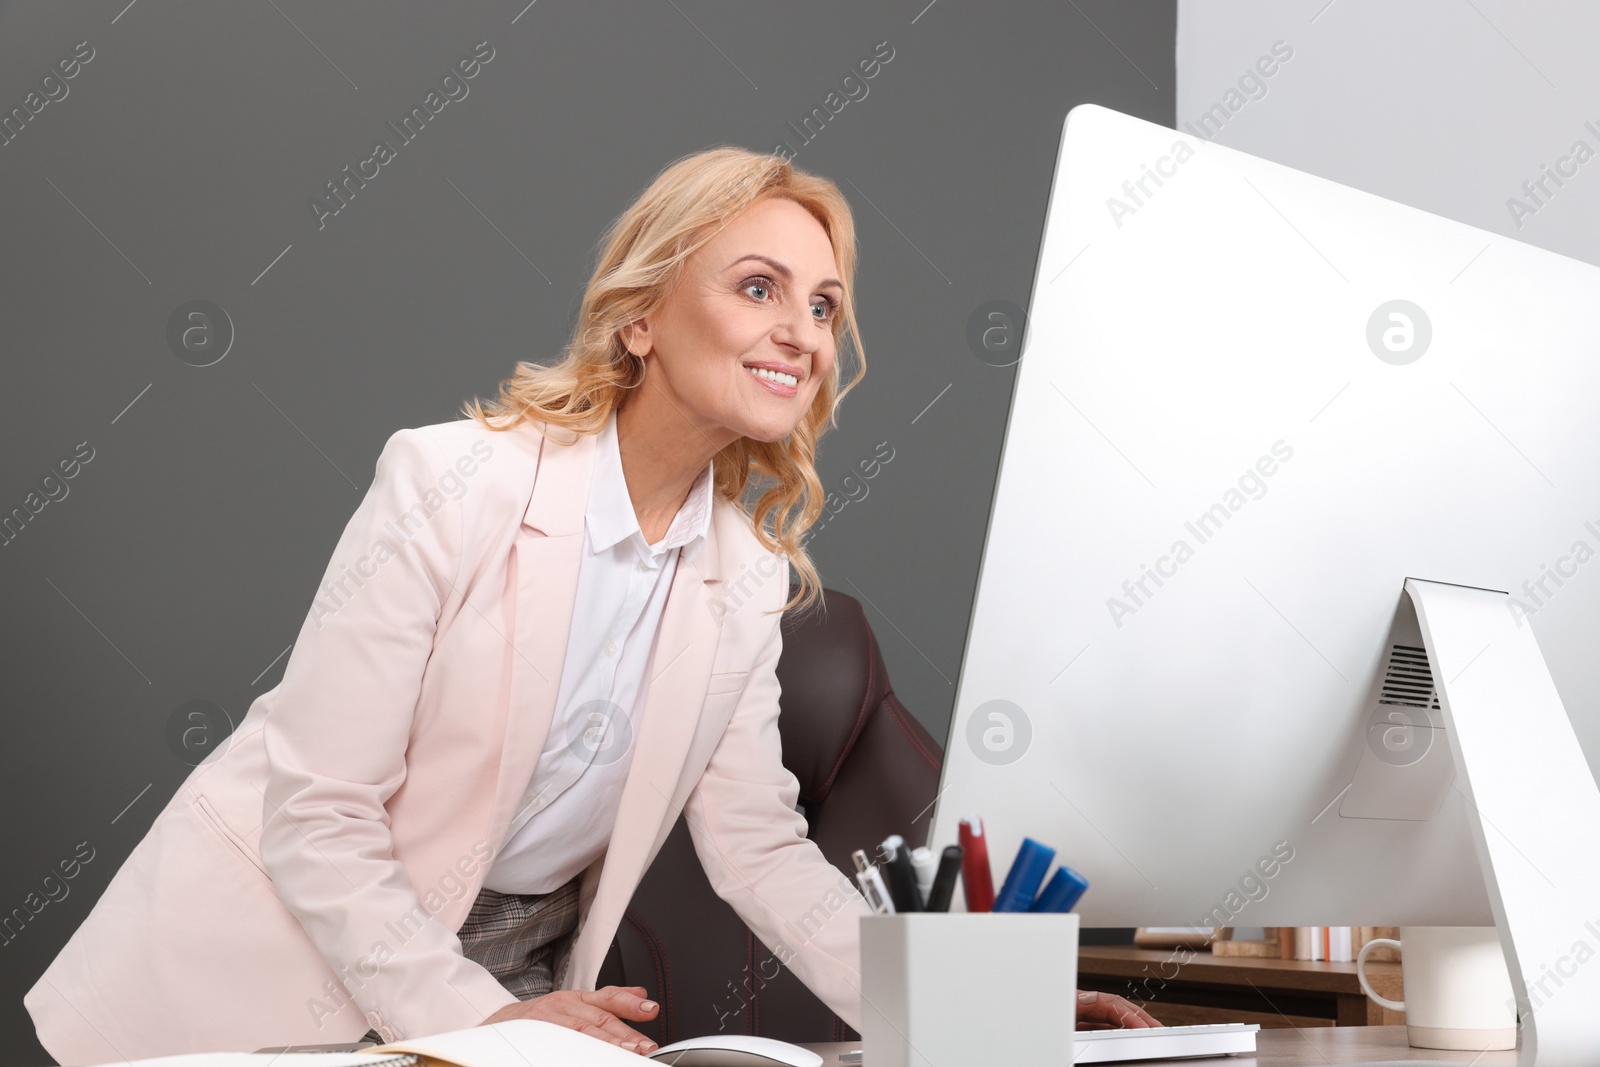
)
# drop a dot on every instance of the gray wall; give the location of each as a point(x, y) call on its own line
point(204, 500)
point(1446, 106)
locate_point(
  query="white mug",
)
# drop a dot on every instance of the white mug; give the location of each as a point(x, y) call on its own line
point(1458, 990)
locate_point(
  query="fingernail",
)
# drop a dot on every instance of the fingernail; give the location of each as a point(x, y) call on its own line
point(648, 1005)
point(1085, 995)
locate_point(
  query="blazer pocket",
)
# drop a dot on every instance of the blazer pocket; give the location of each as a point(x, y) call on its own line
point(727, 682)
point(239, 845)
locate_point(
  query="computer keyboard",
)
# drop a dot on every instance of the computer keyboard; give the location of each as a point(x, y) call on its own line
point(1163, 1042)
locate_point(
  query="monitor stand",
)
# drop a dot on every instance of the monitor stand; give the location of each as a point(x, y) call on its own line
point(1535, 812)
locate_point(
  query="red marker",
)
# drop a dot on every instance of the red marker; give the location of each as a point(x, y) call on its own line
point(976, 880)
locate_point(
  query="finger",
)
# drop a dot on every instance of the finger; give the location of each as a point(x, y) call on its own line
point(620, 1032)
point(1128, 1014)
point(1133, 1016)
point(623, 1001)
point(637, 990)
point(1090, 1017)
point(630, 1040)
point(614, 1029)
point(1107, 1009)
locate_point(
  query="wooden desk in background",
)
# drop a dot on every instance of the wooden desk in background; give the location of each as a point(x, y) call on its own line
point(1225, 989)
point(1320, 1047)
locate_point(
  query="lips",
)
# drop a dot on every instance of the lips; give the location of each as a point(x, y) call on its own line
point(771, 382)
point(794, 370)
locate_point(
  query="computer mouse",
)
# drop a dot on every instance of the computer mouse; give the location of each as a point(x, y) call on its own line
point(735, 1050)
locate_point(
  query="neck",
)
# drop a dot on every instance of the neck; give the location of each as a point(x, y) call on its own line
point(663, 451)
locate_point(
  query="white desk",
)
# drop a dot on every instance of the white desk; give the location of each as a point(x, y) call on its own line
point(1318, 1047)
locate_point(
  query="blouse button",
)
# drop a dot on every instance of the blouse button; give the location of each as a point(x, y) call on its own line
point(611, 648)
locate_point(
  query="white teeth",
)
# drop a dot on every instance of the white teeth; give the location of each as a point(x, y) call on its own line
point(774, 376)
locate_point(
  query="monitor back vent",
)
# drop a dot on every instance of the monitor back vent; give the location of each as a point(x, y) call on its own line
point(1409, 679)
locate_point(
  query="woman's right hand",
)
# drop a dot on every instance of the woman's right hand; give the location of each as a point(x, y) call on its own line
point(598, 1014)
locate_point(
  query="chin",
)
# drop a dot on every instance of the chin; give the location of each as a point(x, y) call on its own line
point(767, 436)
point(767, 430)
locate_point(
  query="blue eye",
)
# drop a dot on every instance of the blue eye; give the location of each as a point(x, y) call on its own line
point(766, 283)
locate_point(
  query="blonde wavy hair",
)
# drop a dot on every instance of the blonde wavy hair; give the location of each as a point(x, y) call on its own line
point(642, 257)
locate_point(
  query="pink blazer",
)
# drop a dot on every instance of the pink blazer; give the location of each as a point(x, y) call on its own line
point(307, 881)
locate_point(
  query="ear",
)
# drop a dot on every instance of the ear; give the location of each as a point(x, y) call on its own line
point(636, 338)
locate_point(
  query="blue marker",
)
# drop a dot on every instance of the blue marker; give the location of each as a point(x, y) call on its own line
point(1027, 872)
point(1062, 891)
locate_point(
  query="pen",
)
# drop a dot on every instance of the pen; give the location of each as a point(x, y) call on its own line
point(976, 880)
point(944, 882)
point(871, 883)
point(902, 880)
point(922, 865)
point(1062, 891)
point(1027, 872)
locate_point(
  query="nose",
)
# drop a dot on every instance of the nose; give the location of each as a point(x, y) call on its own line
point(799, 337)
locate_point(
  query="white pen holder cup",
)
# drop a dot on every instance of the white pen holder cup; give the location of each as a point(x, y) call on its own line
point(944, 988)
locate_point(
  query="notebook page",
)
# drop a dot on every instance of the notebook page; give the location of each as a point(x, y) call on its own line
point(517, 1043)
point(364, 1058)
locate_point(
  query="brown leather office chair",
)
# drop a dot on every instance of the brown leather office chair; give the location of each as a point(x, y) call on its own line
point(866, 769)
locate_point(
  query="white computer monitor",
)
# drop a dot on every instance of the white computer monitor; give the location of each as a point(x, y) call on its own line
point(1251, 403)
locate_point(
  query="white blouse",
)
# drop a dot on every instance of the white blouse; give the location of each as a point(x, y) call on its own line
point(566, 817)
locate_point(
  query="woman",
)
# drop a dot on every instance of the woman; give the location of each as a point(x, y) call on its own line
point(547, 630)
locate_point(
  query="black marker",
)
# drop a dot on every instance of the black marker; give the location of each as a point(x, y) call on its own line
point(944, 882)
point(901, 878)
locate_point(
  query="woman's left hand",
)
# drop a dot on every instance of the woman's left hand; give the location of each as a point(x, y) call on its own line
point(1107, 1011)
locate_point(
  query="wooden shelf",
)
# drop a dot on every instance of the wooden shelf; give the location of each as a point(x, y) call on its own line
point(1215, 989)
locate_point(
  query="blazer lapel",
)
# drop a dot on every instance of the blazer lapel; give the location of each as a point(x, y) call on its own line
point(546, 583)
point(680, 670)
point(545, 587)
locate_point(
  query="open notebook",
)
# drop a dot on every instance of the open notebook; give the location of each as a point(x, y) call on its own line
point(517, 1043)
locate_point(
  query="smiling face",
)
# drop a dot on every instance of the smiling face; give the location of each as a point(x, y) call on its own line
point(743, 343)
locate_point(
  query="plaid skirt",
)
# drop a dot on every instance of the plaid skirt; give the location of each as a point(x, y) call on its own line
point(520, 938)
